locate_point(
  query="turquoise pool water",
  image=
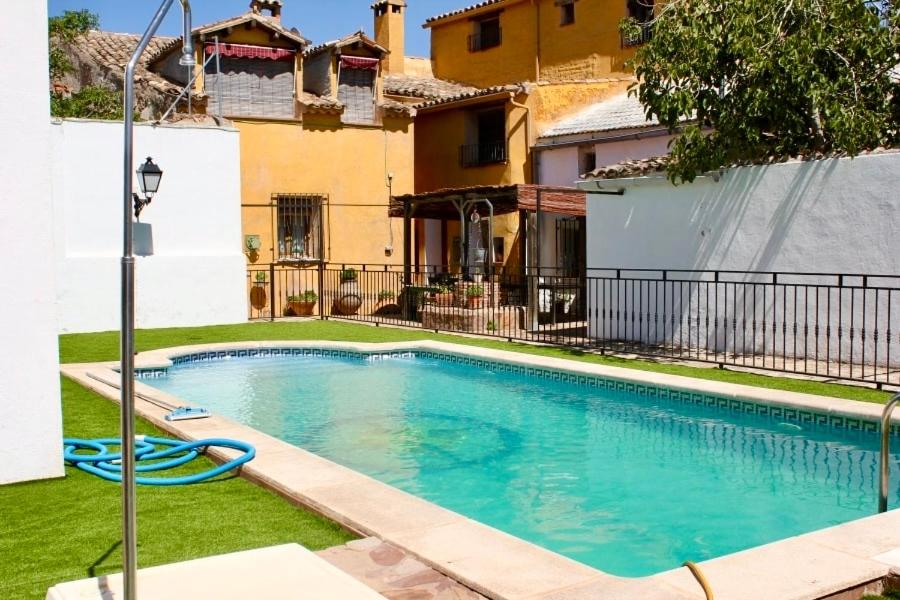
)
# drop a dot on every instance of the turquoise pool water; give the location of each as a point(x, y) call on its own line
point(627, 483)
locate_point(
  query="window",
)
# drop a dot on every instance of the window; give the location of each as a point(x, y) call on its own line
point(487, 130)
point(251, 87)
point(642, 12)
point(567, 14)
point(356, 89)
point(571, 246)
point(487, 34)
point(587, 159)
point(299, 227)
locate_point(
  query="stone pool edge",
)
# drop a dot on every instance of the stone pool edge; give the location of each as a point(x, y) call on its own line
point(497, 564)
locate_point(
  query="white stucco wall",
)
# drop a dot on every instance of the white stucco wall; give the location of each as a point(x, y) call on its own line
point(559, 166)
point(30, 415)
point(834, 216)
point(197, 275)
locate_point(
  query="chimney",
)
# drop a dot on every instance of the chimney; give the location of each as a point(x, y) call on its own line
point(272, 7)
point(390, 33)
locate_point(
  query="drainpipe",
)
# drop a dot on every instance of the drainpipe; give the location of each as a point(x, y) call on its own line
point(537, 41)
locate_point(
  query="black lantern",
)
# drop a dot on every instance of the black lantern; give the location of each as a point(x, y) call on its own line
point(149, 176)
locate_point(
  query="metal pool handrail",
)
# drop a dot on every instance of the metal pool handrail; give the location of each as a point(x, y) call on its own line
point(884, 474)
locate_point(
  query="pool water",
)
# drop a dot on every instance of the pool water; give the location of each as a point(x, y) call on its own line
point(629, 484)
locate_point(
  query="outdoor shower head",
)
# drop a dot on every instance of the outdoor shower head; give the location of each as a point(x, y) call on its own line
point(187, 52)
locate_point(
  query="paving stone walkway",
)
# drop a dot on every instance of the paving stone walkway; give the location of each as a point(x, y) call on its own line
point(393, 573)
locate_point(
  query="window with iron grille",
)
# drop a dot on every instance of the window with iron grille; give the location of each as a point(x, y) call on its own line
point(299, 227)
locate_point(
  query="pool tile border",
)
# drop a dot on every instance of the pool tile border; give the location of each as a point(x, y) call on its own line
point(793, 415)
point(373, 508)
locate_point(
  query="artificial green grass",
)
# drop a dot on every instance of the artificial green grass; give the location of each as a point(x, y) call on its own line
point(105, 346)
point(67, 529)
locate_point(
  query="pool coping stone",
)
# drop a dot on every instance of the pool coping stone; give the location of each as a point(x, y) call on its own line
point(499, 565)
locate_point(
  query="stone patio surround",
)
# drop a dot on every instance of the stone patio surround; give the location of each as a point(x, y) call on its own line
point(500, 566)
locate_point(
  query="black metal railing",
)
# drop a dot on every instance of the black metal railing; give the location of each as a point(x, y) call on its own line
point(472, 155)
point(838, 326)
point(644, 35)
point(488, 38)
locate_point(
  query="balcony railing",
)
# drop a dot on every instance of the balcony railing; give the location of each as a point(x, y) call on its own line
point(485, 40)
point(473, 155)
point(644, 36)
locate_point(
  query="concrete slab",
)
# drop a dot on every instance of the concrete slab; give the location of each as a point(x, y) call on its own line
point(288, 572)
point(394, 573)
point(792, 569)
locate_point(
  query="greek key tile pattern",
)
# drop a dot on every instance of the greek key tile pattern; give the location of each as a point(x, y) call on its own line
point(776, 413)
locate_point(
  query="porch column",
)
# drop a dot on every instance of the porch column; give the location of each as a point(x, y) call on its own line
point(407, 239)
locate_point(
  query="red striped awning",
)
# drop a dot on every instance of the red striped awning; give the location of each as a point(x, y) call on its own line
point(245, 51)
point(359, 62)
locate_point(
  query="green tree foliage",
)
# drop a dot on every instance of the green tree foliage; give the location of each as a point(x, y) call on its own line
point(65, 29)
point(770, 78)
point(91, 102)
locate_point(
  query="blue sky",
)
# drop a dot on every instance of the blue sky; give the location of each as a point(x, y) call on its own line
point(318, 20)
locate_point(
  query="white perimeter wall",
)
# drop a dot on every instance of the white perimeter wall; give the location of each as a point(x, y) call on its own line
point(835, 216)
point(832, 216)
point(197, 275)
point(30, 416)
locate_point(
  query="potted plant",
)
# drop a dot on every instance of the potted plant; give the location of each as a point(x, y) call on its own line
point(302, 305)
point(474, 297)
point(349, 298)
point(444, 296)
point(258, 296)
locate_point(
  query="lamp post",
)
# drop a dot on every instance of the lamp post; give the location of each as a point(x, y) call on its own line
point(129, 512)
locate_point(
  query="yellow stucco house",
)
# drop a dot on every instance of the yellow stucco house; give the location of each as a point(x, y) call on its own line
point(532, 63)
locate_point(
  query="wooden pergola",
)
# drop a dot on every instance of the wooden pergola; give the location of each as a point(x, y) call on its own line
point(453, 204)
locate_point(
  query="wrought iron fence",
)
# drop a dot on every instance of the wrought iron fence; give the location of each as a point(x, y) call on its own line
point(839, 326)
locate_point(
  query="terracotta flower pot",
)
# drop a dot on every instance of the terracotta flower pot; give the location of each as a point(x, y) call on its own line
point(444, 299)
point(473, 302)
point(302, 309)
point(258, 296)
point(349, 299)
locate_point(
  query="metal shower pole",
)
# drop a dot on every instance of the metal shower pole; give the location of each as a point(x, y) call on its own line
point(129, 513)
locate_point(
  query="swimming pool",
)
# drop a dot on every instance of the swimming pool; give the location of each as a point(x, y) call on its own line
point(629, 479)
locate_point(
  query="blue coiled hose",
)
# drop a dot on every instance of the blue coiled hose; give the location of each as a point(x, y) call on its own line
point(106, 464)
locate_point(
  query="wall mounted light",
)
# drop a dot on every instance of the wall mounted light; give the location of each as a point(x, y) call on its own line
point(149, 177)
